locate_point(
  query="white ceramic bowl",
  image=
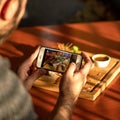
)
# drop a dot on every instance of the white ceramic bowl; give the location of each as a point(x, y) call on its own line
point(101, 60)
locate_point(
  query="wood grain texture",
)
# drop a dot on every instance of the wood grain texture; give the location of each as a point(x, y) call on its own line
point(98, 79)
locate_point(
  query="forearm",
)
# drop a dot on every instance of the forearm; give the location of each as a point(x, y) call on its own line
point(70, 87)
point(64, 108)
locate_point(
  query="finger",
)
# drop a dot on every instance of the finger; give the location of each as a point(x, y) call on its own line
point(37, 74)
point(88, 63)
point(86, 58)
point(71, 69)
point(35, 54)
point(30, 80)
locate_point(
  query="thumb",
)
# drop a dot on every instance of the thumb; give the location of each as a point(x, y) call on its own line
point(29, 81)
point(71, 69)
point(37, 74)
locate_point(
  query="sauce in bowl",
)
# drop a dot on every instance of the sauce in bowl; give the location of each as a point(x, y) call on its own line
point(101, 60)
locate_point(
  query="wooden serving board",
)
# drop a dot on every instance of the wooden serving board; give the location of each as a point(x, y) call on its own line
point(98, 79)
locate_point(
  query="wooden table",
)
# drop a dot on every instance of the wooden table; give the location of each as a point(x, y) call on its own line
point(99, 37)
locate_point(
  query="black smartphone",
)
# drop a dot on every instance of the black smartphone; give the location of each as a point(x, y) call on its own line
point(57, 60)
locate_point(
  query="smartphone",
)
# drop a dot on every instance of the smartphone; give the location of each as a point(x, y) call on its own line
point(57, 60)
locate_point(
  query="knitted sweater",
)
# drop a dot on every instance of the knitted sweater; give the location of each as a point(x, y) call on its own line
point(15, 102)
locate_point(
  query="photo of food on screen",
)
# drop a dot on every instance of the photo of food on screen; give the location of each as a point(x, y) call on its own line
point(56, 60)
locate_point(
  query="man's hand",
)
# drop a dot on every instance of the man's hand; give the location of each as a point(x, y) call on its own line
point(28, 71)
point(70, 87)
point(73, 80)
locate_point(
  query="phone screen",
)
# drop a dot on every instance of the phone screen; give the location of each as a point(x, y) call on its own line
point(56, 60)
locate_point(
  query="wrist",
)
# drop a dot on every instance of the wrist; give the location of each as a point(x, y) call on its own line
point(64, 107)
point(72, 98)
